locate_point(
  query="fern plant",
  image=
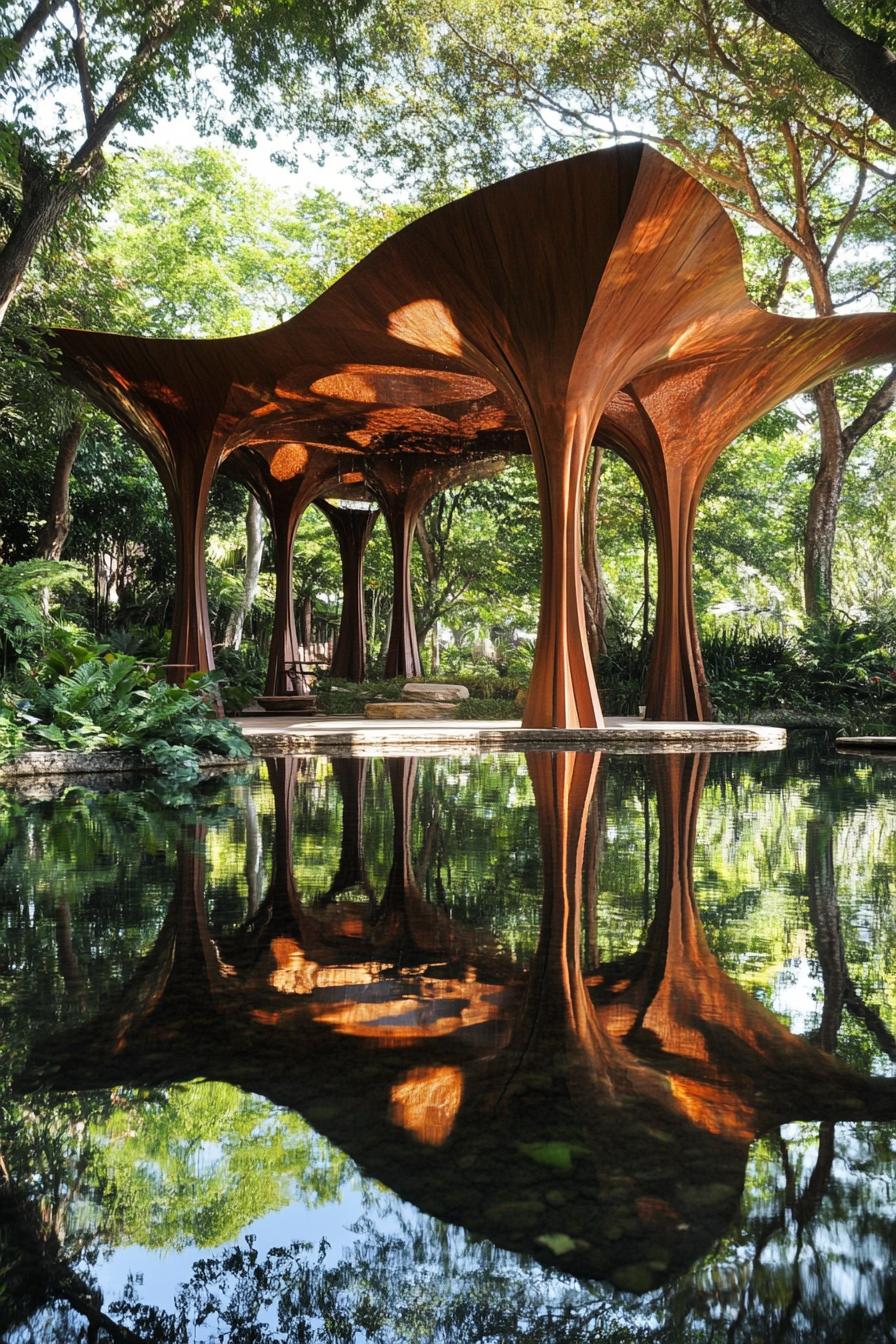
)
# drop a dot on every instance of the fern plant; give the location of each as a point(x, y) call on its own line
point(22, 584)
point(111, 702)
point(22, 620)
point(12, 734)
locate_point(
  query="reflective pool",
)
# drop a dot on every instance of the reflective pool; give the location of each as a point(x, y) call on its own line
point(556, 1048)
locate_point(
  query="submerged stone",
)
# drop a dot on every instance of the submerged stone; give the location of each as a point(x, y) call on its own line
point(554, 1154)
point(516, 1214)
point(633, 1278)
point(558, 1242)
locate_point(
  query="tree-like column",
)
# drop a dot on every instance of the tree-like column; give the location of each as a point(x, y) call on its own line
point(352, 529)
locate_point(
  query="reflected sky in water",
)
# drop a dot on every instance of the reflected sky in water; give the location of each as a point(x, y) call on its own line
point(557, 1047)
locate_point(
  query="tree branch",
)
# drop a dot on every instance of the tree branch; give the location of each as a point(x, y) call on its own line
point(781, 281)
point(426, 552)
point(715, 46)
point(760, 213)
point(809, 253)
point(804, 228)
point(125, 91)
point(872, 1019)
point(42, 11)
point(848, 217)
point(79, 44)
point(868, 68)
point(873, 413)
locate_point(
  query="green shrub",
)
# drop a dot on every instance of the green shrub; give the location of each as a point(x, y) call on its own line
point(336, 696)
point(834, 671)
point(64, 648)
point(148, 645)
point(348, 697)
point(488, 686)
point(488, 709)
point(240, 676)
point(846, 657)
point(512, 663)
point(23, 624)
point(621, 673)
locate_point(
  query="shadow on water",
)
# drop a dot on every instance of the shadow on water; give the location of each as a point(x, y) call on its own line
point(596, 1116)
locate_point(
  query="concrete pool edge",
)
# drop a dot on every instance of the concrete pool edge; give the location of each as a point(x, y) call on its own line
point(276, 735)
point(332, 735)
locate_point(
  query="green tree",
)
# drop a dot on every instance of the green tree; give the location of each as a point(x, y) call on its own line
point(200, 247)
point(127, 65)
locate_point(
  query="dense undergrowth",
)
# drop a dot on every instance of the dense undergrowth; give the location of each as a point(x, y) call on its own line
point(834, 674)
point(62, 689)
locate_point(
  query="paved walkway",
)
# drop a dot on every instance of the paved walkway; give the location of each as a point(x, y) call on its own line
point(337, 734)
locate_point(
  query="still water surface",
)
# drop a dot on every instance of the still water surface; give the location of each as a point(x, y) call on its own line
point(557, 1048)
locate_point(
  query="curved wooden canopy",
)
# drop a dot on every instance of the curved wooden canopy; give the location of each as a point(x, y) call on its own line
point(604, 290)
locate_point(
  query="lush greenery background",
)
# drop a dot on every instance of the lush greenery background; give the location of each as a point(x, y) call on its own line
point(425, 102)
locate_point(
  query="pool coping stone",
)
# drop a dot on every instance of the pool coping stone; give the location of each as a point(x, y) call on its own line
point(273, 735)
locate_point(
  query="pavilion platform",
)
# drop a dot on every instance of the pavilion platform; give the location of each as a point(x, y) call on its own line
point(338, 735)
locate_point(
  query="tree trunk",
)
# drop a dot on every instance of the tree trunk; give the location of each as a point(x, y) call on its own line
point(645, 573)
point(43, 205)
point(595, 836)
point(69, 967)
point(403, 651)
point(307, 621)
point(254, 862)
point(352, 529)
point(824, 913)
point(374, 618)
point(426, 615)
point(824, 503)
point(43, 10)
point(387, 638)
point(284, 675)
point(59, 519)
point(233, 635)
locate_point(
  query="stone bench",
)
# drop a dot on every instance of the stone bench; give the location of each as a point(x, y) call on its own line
point(420, 700)
point(407, 709)
point(434, 692)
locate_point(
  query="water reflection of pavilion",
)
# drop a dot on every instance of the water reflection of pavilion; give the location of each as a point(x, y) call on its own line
point(600, 1121)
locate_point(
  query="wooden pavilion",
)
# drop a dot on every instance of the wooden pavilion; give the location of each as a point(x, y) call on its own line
point(598, 297)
